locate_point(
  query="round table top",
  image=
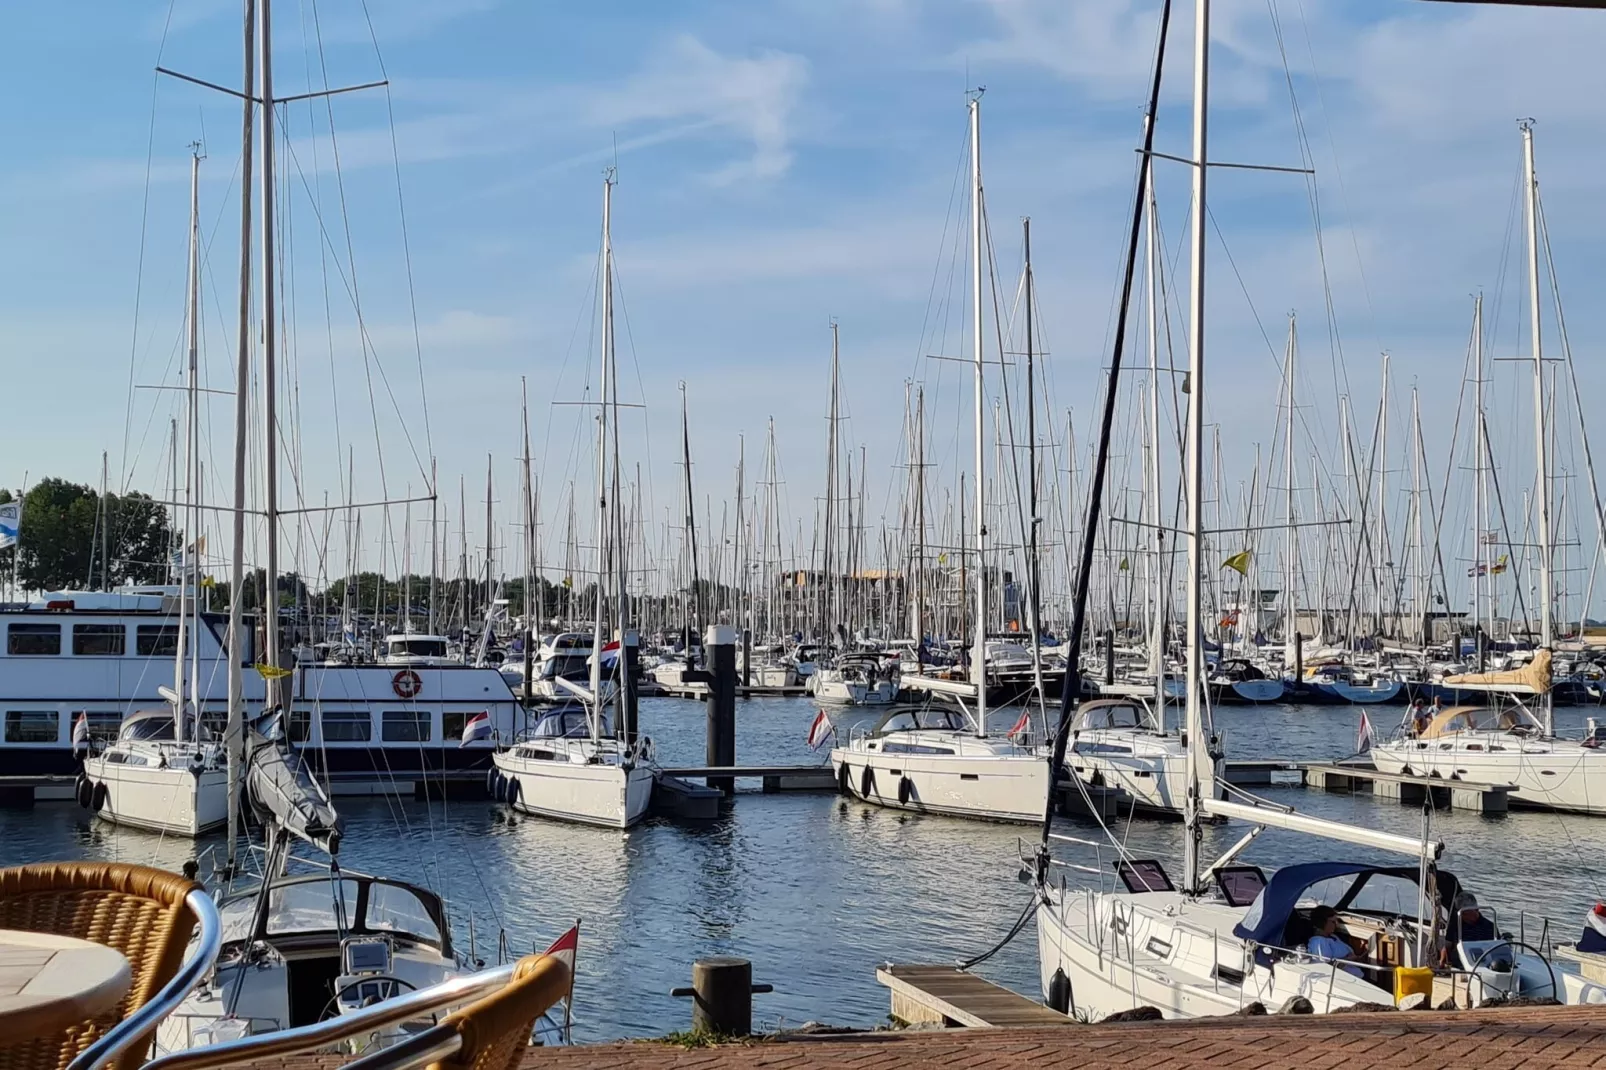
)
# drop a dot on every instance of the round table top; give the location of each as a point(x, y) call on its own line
point(50, 982)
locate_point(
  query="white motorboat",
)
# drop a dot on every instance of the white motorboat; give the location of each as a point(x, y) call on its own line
point(562, 769)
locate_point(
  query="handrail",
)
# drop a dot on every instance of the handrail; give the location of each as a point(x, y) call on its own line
point(432, 1045)
point(306, 1037)
point(139, 1025)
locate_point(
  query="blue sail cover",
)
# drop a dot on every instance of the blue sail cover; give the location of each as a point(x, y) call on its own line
point(1268, 915)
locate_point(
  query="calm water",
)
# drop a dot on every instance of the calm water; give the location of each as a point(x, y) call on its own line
point(816, 891)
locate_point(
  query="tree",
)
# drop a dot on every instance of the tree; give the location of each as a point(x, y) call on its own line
point(60, 543)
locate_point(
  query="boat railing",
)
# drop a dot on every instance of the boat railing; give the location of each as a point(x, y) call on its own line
point(139, 1025)
point(452, 992)
point(189, 1020)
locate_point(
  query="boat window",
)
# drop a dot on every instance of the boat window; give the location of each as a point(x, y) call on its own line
point(33, 639)
point(452, 725)
point(347, 726)
point(1240, 885)
point(1143, 875)
point(155, 729)
point(153, 640)
point(1122, 715)
point(1384, 893)
point(894, 747)
point(102, 724)
point(103, 639)
point(405, 726)
point(565, 724)
point(309, 907)
point(32, 726)
point(394, 909)
point(300, 727)
point(419, 648)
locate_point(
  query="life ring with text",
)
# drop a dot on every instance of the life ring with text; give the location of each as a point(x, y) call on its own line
point(406, 684)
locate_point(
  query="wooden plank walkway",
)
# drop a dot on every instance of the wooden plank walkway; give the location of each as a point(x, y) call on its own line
point(945, 995)
point(1409, 787)
point(1537, 1037)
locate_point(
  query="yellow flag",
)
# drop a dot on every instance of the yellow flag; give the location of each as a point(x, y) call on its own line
point(1499, 566)
point(1125, 564)
point(208, 581)
point(1238, 562)
point(270, 672)
point(568, 581)
point(942, 559)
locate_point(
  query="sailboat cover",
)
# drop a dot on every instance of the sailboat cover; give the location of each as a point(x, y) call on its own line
point(1533, 678)
point(282, 789)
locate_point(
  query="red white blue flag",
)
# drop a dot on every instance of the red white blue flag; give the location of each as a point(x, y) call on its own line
point(820, 731)
point(476, 727)
point(1363, 736)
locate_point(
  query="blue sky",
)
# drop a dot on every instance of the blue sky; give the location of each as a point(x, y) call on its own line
point(779, 164)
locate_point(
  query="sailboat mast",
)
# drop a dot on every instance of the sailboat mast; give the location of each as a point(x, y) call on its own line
point(1032, 570)
point(434, 542)
point(623, 698)
point(1541, 457)
point(1198, 757)
point(978, 638)
point(1380, 549)
point(1157, 623)
point(270, 324)
point(1419, 571)
point(920, 513)
point(1291, 547)
point(828, 605)
point(1478, 524)
point(602, 464)
point(530, 602)
point(189, 542)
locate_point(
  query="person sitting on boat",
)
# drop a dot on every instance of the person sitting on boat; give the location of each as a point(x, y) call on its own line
point(1326, 944)
point(1467, 921)
point(1594, 938)
point(1420, 717)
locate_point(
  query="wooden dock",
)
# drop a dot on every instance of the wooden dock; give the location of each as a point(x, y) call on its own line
point(700, 691)
point(1409, 787)
point(773, 777)
point(944, 995)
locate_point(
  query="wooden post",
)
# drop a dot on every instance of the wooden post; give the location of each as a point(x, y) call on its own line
point(719, 651)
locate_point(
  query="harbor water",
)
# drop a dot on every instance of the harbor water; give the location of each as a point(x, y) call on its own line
point(818, 891)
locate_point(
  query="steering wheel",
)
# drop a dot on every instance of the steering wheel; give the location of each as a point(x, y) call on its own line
point(391, 980)
point(1526, 947)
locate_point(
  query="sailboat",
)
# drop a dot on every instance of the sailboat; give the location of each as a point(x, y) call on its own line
point(929, 759)
point(1224, 935)
point(575, 765)
point(164, 772)
point(1515, 743)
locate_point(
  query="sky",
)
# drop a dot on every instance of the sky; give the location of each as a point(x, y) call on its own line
point(779, 165)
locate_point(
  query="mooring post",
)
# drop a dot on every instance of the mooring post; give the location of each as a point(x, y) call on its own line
point(1299, 656)
point(1109, 656)
point(747, 657)
point(719, 650)
point(722, 991)
point(630, 658)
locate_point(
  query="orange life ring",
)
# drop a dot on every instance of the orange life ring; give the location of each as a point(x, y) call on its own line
point(406, 684)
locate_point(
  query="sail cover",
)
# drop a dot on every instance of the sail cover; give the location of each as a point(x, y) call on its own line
point(282, 789)
point(1532, 679)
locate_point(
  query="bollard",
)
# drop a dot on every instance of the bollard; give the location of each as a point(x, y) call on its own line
point(719, 651)
point(1299, 656)
point(630, 659)
point(1109, 656)
point(722, 991)
point(747, 657)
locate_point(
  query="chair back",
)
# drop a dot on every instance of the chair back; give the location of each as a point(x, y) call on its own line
point(495, 1030)
point(137, 911)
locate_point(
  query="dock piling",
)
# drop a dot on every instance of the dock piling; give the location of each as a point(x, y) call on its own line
point(722, 991)
point(719, 645)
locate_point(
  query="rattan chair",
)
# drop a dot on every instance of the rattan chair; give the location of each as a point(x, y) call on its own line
point(137, 911)
point(495, 1030)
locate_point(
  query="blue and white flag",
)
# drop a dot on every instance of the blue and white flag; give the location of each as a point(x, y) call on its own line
point(10, 524)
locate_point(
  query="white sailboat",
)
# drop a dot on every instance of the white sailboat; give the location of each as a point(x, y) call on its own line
point(574, 765)
point(1223, 936)
point(928, 759)
point(164, 772)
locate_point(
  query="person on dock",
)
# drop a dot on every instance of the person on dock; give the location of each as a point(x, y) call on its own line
point(1326, 944)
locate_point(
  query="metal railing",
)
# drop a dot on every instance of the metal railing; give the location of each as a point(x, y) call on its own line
point(458, 990)
point(138, 1026)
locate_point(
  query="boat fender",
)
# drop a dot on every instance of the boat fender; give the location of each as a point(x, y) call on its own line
point(491, 776)
point(843, 780)
point(867, 782)
point(1059, 993)
point(513, 792)
point(97, 798)
point(906, 789)
point(83, 791)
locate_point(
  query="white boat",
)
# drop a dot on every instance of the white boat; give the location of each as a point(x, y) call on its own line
point(929, 760)
point(414, 650)
point(562, 770)
point(152, 778)
point(858, 679)
point(1119, 744)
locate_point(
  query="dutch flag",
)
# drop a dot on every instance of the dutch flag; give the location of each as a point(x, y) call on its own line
point(820, 731)
point(1363, 735)
point(1022, 726)
point(80, 733)
point(565, 948)
point(476, 727)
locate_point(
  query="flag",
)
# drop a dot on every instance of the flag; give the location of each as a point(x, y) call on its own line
point(1229, 619)
point(10, 524)
point(1477, 570)
point(1022, 725)
point(568, 581)
point(476, 727)
point(1238, 562)
point(820, 731)
point(942, 559)
point(272, 672)
point(1363, 736)
point(80, 733)
point(610, 655)
point(1125, 564)
point(1498, 567)
point(567, 948)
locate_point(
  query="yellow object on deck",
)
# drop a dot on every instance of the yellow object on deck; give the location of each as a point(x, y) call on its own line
point(1412, 980)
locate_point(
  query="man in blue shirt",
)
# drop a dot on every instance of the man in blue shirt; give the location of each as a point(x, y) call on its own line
point(1327, 944)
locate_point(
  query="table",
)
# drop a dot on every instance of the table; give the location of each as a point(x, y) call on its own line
point(49, 983)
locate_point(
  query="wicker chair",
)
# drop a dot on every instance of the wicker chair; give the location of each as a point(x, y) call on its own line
point(135, 910)
point(496, 1029)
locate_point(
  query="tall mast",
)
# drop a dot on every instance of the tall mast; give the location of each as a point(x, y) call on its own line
point(270, 317)
point(1032, 570)
point(434, 541)
point(695, 602)
point(242, 417)
point(623, 700)
point(828, 604)
point(1419, 572)
point(602, 464)
point(978, 637)
point(189, 579)
point(1157, 624)
point(528, 503)
point(920, 513)
point(1291, 566)
point(1478, 525)
point(490, 578)
point(1198, 755)
point(1380, 548)
point(1542, 460)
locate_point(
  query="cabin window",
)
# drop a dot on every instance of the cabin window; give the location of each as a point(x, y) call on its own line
point(300, 726)
point(347, 726)
point(155, 640)
point(33, 726)
point(407, 726)
point(452, 725)
point(102, 724)
point(101, 639)
point(33, 639)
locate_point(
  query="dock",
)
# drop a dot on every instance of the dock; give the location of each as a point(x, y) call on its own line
point(945, 995)
point(700, 691)
point(1410, 787)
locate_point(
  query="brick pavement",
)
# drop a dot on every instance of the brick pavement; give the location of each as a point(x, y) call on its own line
point(1466, 1040)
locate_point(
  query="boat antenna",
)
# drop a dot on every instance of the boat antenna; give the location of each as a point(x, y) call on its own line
point(1073, 668)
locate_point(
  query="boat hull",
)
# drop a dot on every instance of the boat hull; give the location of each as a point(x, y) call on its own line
point(987, 788)
point(602, 794)
point(1551, 774)
point(170, 800)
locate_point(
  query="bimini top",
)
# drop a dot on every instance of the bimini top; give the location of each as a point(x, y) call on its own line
point(1458, 719)
point(920, 719)
point(1372, 889)
point(1112, 713)
point(565, 722)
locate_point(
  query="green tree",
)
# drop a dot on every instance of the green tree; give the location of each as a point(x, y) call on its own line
point(60, 543)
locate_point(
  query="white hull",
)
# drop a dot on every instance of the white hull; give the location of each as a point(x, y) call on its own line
point(831, 690)
point(1551, 773)
point(992, 787)
point(168, 799)
point(608, 795)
